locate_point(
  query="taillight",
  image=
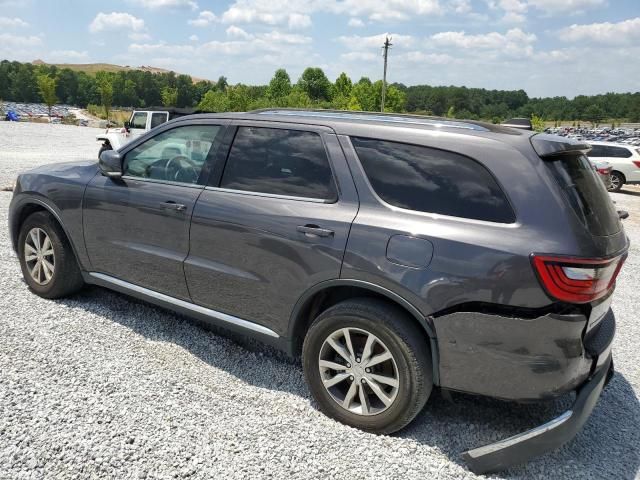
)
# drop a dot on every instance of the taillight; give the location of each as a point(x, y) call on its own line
point(604, 171)
point(577, 280)
point(636, 162)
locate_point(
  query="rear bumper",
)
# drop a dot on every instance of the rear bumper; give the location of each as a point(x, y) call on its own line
point(532, 443)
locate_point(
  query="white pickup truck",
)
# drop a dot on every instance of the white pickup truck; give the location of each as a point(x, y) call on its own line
point(141, 121)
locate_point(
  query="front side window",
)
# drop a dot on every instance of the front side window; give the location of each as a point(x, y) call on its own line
point(176, 155)
point(158, 119)
point(139, 120)
point(280, 162)
point(430, 180)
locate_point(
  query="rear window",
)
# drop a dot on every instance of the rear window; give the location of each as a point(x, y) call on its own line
point(434, 181)
point(585, 193)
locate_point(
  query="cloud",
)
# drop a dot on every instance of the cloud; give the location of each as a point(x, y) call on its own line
point(6, 22)
point(8, 40)
point(237, 32)
point(66, 55)
point(139, 36)
point(513, 43)
point(298, 20)
point(194, 38)
point(421, 57)
point(355, 22)
point(116, 21)
point(158, 4)
point(563, 6)
point(357, 42)
point(626, 32)
point(204, 19)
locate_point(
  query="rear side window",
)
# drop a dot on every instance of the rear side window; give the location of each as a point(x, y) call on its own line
point(609, 151)
point(280, 162)
point(158, 119)
point(585, 193)
point(597, 151)
point(430, 180)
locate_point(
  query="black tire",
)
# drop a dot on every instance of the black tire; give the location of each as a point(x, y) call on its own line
point(105, 146)
point(66, 278)
point(403, 338)
point(617, 181)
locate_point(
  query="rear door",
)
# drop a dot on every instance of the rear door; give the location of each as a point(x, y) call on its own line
point(273, 222)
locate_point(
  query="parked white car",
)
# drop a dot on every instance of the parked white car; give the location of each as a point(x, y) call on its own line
point(624, 160)
point(140, 122)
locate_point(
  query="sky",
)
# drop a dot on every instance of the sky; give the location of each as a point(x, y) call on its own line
point(546, 47)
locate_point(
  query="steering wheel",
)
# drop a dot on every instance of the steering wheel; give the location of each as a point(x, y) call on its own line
point(173, 170)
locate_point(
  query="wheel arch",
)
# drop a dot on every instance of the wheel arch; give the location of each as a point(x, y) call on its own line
point(325, 294)
point(32, 205)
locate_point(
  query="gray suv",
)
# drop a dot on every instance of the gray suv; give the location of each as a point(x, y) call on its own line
point(395, 254)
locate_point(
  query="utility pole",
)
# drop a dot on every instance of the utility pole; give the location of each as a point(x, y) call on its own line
point(385, 47)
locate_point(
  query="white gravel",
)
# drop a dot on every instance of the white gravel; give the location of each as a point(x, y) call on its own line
point(101, 386)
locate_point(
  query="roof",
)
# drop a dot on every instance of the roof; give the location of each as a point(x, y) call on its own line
point(347, 122)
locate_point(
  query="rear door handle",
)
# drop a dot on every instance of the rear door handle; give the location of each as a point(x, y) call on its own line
point(314, 231)
point(171, 205)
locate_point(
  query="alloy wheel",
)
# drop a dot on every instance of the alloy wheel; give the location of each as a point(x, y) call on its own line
point(39, 256)
point(358, 371)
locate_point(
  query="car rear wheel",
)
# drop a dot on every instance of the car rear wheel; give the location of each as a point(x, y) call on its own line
point(368, 365)
point(47, 260)
point(617, 181)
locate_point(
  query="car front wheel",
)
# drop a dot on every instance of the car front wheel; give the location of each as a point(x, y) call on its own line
point(47, 260)
point(368, 365)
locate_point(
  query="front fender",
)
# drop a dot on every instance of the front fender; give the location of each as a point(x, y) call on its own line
point(114, 139)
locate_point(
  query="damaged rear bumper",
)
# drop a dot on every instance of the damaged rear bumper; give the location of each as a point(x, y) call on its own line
point(551, 435)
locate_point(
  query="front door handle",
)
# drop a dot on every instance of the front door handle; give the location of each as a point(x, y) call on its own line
point(171, 205)
point(314, 231)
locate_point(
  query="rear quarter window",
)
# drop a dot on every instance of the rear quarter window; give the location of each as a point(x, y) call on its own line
point(431, 180)
point(585, 193)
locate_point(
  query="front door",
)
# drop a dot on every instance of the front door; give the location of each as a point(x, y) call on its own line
point(137, 228)
point(274, 223)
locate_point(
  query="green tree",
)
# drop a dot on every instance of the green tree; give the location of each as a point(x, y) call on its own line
point(222, 83)
point(169, 96)
point(105, 90)
point(395, 100)
point(280, 85)
point(594, 114)
point(315, 84)
point(47, 90)
point(363, 96)
point(537, 123)
point(214, 101)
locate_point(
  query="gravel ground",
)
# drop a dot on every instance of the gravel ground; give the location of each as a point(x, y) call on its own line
point(101, 386)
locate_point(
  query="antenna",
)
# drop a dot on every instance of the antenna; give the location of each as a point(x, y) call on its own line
point(385, 47)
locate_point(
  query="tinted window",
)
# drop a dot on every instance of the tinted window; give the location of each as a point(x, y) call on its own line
point(139, 120)
point(586, 194)
point(609, 151)
point(158, 119)
point(430, 180)
point(282, 162)
point(618, 152)
point(597, 151)
point(176, 155)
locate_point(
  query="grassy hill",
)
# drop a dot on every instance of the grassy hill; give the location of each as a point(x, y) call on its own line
point(93, 68)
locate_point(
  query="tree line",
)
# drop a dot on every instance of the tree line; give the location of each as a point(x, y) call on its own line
point(25, 82)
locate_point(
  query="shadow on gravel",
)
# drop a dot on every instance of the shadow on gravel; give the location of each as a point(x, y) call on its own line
point(634, 193)
point(607, 447)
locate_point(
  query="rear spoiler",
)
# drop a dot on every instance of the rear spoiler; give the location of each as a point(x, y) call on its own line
point(552, 145)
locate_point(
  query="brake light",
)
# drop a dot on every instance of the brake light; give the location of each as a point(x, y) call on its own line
point(577, 280)
point(605, 171)
point(637, 162)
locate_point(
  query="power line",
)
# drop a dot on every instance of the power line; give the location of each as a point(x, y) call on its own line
point(385, 47)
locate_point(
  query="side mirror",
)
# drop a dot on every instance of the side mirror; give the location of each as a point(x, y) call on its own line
point(127, 125)
point(110, 164)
